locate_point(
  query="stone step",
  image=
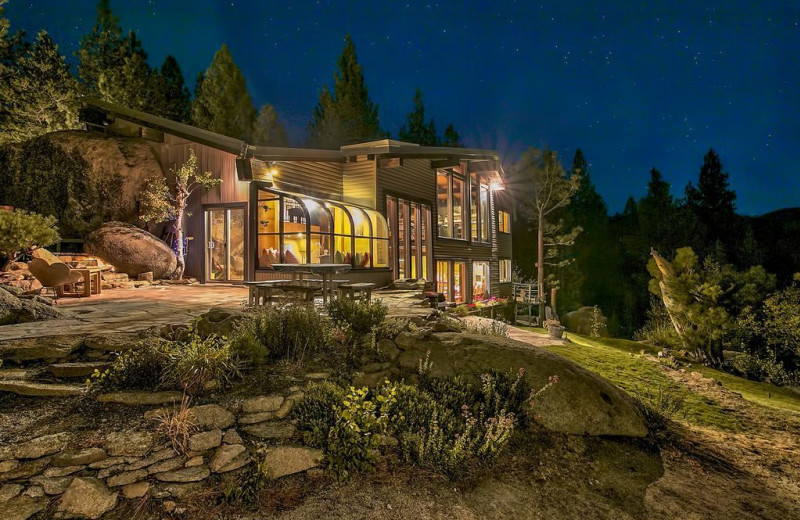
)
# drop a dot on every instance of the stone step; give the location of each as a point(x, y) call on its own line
point(36, 349)
point(140, 398)
point(17, 374)
point(82, 369)
point(30, 388)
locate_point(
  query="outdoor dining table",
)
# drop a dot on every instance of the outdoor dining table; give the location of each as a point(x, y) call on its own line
point(92, 279)
point(326, 271)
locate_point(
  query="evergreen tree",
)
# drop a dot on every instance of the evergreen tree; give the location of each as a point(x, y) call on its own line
point(657, 213)
point(12, 47)
point(268, 130)
point(134, 84)
point(451, 137)
point(222, 103)
point(101, 50)
point(44, 93)
point(348, 114)
point(417, 130)
point(177, 99)
point(712, 200)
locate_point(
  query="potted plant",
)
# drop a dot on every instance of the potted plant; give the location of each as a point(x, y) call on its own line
point(554, 328)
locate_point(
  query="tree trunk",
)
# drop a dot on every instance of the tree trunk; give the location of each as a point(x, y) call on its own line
point(177, 230)
point(540, 266)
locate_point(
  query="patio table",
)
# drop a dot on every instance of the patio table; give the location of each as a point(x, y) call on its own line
point(326, 271)
point(92, 279)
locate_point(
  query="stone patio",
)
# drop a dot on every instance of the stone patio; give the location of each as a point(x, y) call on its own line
point(130, 310)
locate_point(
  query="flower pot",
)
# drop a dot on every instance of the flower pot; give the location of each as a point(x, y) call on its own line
point(555, 331)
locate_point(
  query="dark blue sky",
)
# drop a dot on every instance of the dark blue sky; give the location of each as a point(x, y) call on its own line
point(634, 84)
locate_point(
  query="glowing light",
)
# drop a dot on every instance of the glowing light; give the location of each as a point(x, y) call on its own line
point(497, 186)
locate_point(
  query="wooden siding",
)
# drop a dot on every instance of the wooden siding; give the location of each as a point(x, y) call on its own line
point(413, 181)
point(317, 179)
point(359, 183)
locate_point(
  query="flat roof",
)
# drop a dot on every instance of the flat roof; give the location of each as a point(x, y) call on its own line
point(388, 147)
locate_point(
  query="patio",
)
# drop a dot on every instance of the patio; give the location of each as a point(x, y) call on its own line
point(129, 310)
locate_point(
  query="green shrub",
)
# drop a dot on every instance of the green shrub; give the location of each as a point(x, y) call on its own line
point(140, 368)
point(360, 316)
point(764, 369)
point(197, 361)
point(659, 407)
point(392, 327)
point(493, 328)
point(21, 231)
point(316, 413)
point(291, 333)
point(461, 310)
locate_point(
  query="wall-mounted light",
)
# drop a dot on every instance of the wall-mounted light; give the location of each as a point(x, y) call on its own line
point(497, 186)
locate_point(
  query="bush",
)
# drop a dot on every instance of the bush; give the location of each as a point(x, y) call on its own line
point(392, 327)
point(360, 316)
point(272, 333)
point(140, 368)
point(316, 413)
point(198, 361)
point(764, 369)
point(658, 329)
point(659, 407)
point(493, 328)
point(21, 231)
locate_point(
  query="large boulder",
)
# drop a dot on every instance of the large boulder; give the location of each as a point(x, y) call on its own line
point(18, 310)
point(580, 321)
point(131, 250)
point(581, 403)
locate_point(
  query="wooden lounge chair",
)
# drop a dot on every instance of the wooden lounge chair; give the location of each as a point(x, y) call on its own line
point(56, 275)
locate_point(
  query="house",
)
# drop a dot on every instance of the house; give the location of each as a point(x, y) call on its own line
point(393, 210)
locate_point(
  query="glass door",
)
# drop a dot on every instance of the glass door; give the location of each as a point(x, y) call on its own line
point(225, 245)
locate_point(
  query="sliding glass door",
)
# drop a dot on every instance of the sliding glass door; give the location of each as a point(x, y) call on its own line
point(225, 244)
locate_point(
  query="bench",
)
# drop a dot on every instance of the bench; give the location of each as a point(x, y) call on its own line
point(301, 292)
point(262, 290)
point(351, 290)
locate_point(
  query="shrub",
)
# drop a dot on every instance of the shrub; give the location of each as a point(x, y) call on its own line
point(140, 368)
point(292, 332)
point(659, 407)
point(21, 231)
point(764, 369)
point(360, 316)
point(316, 413)
point(493, 328)
point(197, 361)
point(392, 327)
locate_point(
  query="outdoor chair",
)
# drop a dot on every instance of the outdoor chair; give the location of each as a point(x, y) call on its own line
point(56, 275)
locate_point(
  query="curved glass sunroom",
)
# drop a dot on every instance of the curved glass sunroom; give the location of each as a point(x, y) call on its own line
point(297, 229)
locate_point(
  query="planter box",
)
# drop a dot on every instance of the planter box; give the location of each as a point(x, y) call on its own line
point(555, 332)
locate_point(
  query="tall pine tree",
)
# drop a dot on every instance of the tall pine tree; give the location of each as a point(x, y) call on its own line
point(347, 115)
point(657, 213)
point(712, 204)
point(268, 129)
point(44, 93)
point(451, 137)
point(222, 103)
point(177, 99)
point(102, 49)
point(416, 129)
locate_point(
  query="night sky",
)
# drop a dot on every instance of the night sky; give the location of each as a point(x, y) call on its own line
point(634, 84)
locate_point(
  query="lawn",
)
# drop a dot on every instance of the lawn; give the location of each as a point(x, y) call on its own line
point(620, 362)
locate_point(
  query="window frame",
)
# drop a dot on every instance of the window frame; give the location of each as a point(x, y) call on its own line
point(503, 222)
point(501, 262)
point(449, 224)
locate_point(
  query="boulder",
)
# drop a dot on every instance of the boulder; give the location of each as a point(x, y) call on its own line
point(581, 403)
point(9, 491)
point(86, 497)
point(580, 321)
point(25, 470)
point(217, 321)
point(287, 460)
point(16, 310)
point(33, 349)
point(22, 507)
point(127, 477)
point(52, 485)
point(131, 250)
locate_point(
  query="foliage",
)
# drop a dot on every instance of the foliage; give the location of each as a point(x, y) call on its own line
point(417, 130)
point(268, 130)
point(22, 231)
point(658, 329)
point(659, 406)
point(361, 316)
point(712, 200)
point(316, 413)
point(43, 177)
point(347, 114)
point(597, 322)
point(290, 333)
point(102, 49)
point(704, 300)
point(176, 426)
point(42, 93)
point(177, 99)
point(197, 361)
point(392, 327)
point(451, 138)
point(492, 328)
point(222, 103)
point(140, 368)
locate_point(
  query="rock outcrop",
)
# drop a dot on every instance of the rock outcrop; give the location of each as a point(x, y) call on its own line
point(131, 250)
point(14, 309)
point(581, 320)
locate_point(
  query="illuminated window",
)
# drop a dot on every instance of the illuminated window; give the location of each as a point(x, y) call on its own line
point(503, 222)
point(505, 270)
point(480, 281)
point(451, 204)
point(450, 280)
point(443, 278)
point(411, 238)
point(486, 221)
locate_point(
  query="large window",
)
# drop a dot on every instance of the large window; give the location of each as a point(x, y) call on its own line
point(486, 219)
point(451, 204)
point(411, 248)
point(297, 229)
point(480, 209)
point(450, 278)
point(480, 281)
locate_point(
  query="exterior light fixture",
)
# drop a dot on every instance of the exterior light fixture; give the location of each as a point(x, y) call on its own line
point(497, 186)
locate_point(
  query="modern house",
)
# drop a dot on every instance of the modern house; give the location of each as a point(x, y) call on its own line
point(394, 210)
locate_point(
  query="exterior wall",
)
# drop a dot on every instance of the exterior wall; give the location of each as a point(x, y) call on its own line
point(318, 179)
point(414, 181)
point(359, 183)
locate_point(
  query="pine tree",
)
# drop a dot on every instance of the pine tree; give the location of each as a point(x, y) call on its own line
point(712, 200)
point(178, 100)
point(348, 114)
point(222, 103)
point(451, 137)
point(268, 130)
point(101, 50)
point(416, 130)
point(44, 94)
point(12, 47)
point(657, 212)
point(134, 84)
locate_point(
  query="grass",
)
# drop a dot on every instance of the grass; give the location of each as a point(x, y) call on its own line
point(618, 361)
